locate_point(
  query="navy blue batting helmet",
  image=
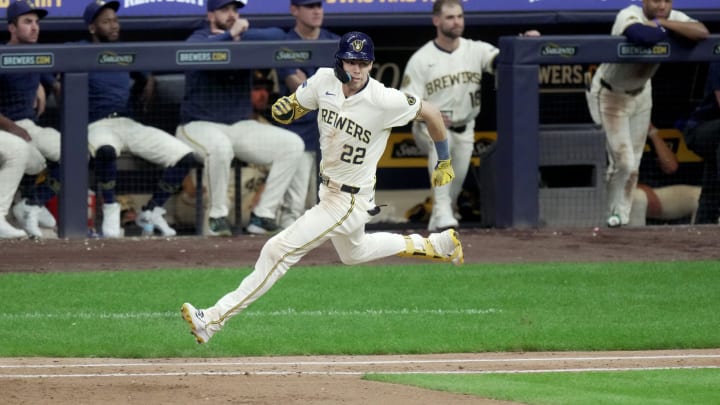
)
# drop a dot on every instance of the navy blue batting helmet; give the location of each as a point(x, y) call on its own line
point(355, 46)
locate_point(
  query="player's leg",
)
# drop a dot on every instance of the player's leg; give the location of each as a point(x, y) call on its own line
point(356, 246)
point(268, 145)
point(442, 216)
point(638, 125)
point(283, 250)
point(212, 147)
point(163, 149)
point(31, 210)
point(14, 154)
point(461, 149)
point(614, 111)
point(105, 147)
point(295, 199)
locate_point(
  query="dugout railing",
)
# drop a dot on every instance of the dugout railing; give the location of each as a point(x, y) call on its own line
point(75, 61)
point(516, 160)
point(516, 156)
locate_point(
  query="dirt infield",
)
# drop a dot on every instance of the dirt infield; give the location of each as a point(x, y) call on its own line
point(322, 380)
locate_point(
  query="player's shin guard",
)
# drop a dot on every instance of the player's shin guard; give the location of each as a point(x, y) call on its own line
point(420, 247)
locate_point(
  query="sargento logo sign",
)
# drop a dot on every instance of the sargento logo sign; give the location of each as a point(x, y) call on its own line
point(659, 49)
point(557, 50)
point(112, 58)
point(716, 51)
point(289, 54)
point(18, 60)
point(212, 56)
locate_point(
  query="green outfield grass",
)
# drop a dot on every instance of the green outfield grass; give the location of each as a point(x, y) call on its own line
point(419, 308)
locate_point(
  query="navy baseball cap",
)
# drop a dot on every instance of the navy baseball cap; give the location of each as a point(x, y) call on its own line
point(22, 7)
point(304, 2)
point(96, 6)
point(218, 4)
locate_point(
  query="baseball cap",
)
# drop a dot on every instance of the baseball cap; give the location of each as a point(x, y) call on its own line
point(304, 2)
point(95, 7)
point(22, 7)
point(213, 5)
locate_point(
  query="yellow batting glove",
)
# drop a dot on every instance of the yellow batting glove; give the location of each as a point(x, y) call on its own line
point(443, 173)
point(283, 111)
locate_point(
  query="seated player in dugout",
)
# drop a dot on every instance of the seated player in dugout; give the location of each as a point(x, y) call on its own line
point(660, 197)
point(112, 131)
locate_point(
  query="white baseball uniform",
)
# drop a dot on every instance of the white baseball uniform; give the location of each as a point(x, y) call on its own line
point(16, 158)
point(217, 144)
point(451, 81)
point(353, 135)
point(127, 135)
point(620, 99)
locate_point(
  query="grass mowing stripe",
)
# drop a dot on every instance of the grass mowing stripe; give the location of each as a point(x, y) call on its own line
point(280, 313)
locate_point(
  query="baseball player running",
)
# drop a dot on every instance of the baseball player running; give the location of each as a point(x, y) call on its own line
point(620, 97)
point(22, 100)
point(215, 122)
point(448, 72)
point(112, 131)
point(355, 115)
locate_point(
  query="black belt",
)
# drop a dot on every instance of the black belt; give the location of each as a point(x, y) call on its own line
point(115, 115)
point(460, 128)
point(342, 187)
point(634, 92)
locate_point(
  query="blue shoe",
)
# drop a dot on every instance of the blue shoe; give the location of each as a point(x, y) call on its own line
point(262, 226)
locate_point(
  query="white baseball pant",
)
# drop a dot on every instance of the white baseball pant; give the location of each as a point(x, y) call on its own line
point(126, 135)
point(16, 158)
point(45, 139)
point(625, 119)
point(461, 146)
point(340, 217)
point(295, 200)
point(250, 141)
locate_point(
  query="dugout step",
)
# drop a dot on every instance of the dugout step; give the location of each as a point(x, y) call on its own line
point(572, 170)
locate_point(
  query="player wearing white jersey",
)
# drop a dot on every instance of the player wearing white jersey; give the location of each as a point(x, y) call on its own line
point(447, 71)
point(355, 116)
point(620, 97)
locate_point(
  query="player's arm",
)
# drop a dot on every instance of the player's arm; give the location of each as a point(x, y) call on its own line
point(443, 173)
point(645, 34)
point(8, 125)
point(666, 158)
point(287, 109)
point(692, 30)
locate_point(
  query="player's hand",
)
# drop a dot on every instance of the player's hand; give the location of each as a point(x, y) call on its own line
point(282, 110)
point(443, 173)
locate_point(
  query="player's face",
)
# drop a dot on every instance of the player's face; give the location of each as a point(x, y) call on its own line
point(25, 30)
point(106, 27)
point(359, 71)
point(224, 18)
point(451, 21)
point(310, 16)
point(657, 8)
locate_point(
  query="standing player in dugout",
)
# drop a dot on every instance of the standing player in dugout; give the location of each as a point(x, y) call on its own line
point(620, 97)
point(447, 71)
point(355, 116)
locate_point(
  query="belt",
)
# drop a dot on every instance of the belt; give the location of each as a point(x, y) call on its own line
point(115, 115)
point(338, 186)
point(633, 92)
point(460, 128)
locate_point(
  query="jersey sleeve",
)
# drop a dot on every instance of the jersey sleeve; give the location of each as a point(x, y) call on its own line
point(399, 107)
point(487, 53)
point(307, 93)
point(625, 18)
point(412, 78)
point(679, 16)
